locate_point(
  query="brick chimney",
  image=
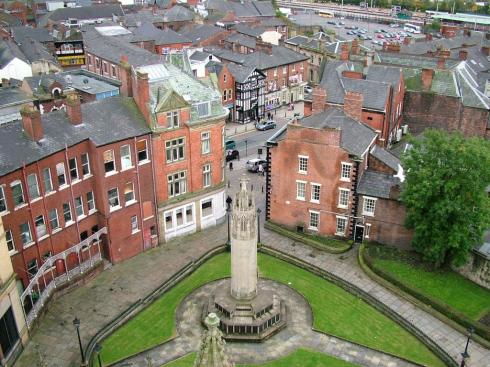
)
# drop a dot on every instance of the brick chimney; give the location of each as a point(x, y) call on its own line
point(319, 100)
point(393, 47)
point(73, 108)
point(427, 76)
point(142, 94)
point(31, 123)
point(263, 46)
point(467, 32)
point(463, 54)
point(355, 48)
point(369, 60)
point(485, 50)
point(353, 104)
point(441, 63)
point(125, 75)
point(344, 52)
point(445, 53)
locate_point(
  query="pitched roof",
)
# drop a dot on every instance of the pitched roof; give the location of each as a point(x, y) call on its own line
point(86, 12)
point(200, 32)
point(377, 184)
point(104, 122)
point(178, 13)
point(242, 39)
point(136, 19)
point(244, 8)
point(386, 157)
point(200, 56)
point(39, 34)
point(8, 19)
point(248, 30)
point(240, 73)
point(13, 96)
point(355, 138)
point(9, 51)
point(36, 51)
point(148, 32)
point(382, 73)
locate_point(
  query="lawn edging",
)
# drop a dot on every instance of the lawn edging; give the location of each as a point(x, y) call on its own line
point(304, 238)
point(369, 299)
point(436, 308)
point(142, 303)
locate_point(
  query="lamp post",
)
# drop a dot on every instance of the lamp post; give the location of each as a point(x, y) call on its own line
point(76, 323)
point(246, 147)
point(258, 224)
point(98, 349)
point(228, 242)
point(465, 354)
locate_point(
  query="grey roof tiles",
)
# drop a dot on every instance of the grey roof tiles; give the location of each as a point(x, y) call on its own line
point(377, 184)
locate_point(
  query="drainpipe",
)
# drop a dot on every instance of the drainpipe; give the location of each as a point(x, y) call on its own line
point(155, 200)
point(140, 200)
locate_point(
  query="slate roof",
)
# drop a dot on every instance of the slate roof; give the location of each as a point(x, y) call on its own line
point(200, 32)
point(422, 47)
point(375, 93)
point(240, 73)
point(377, 184)
point(9, 51)
point(242, 40)
point(298, 40)
point(112, 48)
point(200, 56)
point(10, 20)
point(136, 19)
point(249, 31)
point(148, 32)
point(39, 34)
point(13, 96)
point(85, 13)
point(272, 22)
point(355, 138)
point(244, 8)
point(104, 122)
point(383, 73)
point(36, 51)
point(386, 157)
point(280, 56)
point(178, 13)
point(413, 61)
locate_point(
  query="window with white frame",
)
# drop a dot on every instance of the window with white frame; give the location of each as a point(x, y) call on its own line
point(85, 164)
point(177, 184)
point(275, 72)
point(203, 109)
point(142, 151)
point(72, 167)
point(53, 219)
point(32, 267)
point(345, 171)
point(206, 175)
point(179, 217)
point(25, 234)
point(60, 174)
point(367, 230)
point(3, 200)
point(17, 193)
point(90, 202)
point(109, 164)
point(207, 208)
point(67, 213)
point(48, 183)
point(284, 69)
point(369, 206)
point(341, 226)
point(303, 164)
point(205, 142)
point(129, 193)
point(315, 192)
point(169, 223)
point(10, 241)
point(113, 198)
point(343, 198)
point(32, 186)
point(79, 207)
point(300, 190)
point(134, 224)
point(126, 161)
point(173, 119)
point(40, 226)
point(314, 220)
point(175, 150)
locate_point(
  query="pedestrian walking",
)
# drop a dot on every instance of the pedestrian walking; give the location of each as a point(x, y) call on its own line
point(228, 202)
point(231, 166)
point(261, 170)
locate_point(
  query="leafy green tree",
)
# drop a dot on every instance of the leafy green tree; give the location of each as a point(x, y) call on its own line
point(444, 194)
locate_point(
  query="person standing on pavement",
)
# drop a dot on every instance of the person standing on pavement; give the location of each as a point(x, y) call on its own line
point(261, 170)
point(231, 166)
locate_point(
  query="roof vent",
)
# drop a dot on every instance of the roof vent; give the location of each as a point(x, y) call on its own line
point(85, 81)
point(68, 79)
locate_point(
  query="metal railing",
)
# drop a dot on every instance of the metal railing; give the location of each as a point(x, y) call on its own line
point(47, 279)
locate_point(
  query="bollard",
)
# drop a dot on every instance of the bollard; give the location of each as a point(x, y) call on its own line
point(262, 189)
point(284, 113)
point(228, 183)
point(252, 187)
point(235, 130)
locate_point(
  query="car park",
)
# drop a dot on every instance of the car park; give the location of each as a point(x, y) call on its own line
point(394, 25)
point(230, 144)
point(232, 155)
point(253, 164)
point(265, 125)
point(379, 35)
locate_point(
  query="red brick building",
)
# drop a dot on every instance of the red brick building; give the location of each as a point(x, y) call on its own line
point(69, 175)
point(161, 42)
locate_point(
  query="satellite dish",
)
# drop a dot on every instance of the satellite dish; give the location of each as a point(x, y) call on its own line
point(85, 81)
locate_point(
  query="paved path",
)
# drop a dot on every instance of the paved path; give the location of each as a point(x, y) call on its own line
point(117, 288)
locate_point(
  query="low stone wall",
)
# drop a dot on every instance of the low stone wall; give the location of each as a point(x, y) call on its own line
point(476, 269)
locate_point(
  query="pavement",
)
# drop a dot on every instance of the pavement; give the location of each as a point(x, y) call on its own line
point(110, 293)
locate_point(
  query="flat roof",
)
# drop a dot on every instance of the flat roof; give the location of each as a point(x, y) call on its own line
point(463, 17)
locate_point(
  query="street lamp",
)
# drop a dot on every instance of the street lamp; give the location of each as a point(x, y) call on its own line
point(228, 242)
point(258, 224)
point(246, 147)
point(76, 323)
point(98, 349)
point(465, 354)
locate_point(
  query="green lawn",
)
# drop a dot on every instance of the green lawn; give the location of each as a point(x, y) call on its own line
point(335, 311)
point(448, 287)
point(299, 358)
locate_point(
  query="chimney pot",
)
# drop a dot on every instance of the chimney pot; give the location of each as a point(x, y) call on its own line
point(73, 108)
point(31, 123)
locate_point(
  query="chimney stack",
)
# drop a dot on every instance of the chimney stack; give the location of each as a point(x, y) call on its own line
point(31, 123)
point(485, 50)
point(427, 76)
point(441, 62)
point(5, 82)
point(319, 100)
point(463, 55)
point(344, 52)
point(355, 48)
point(369, 58)
point(353, 104)
point(142, 94)
point(73, 108)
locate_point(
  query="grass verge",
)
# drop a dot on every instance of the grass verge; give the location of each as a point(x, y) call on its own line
point(336, 312)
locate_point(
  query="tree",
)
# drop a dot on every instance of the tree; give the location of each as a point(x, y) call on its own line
point(445, 195)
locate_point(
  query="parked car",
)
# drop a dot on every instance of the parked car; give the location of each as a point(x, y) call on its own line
point(253, 164)
point(379, 35)
point(265, 125)
point(232, 155)
point(394, 25)
point(230, 144)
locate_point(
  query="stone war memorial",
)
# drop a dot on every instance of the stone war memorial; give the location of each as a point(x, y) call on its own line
point(247, 312)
